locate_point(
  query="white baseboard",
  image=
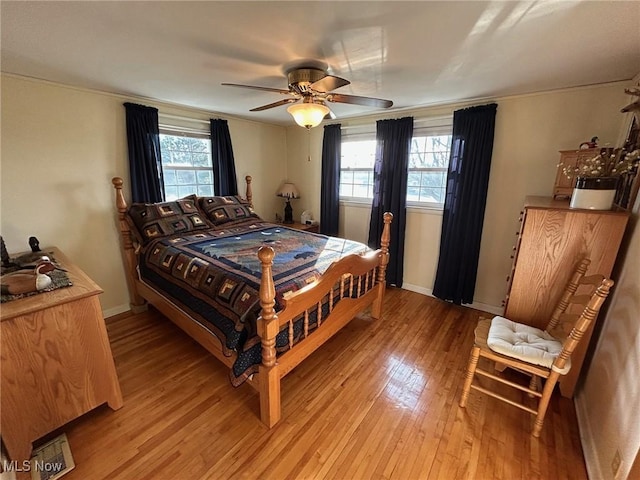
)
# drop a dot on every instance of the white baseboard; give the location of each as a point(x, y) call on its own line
point(594, 469)
point(487, 308)
point(415, 288)
point(476, 305)
point(110, 312)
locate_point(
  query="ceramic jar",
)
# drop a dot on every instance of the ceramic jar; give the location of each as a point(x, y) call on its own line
point(594, 193)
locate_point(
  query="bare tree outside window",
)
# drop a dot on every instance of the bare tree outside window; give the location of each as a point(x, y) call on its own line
point(428, 163)
point(186, 165)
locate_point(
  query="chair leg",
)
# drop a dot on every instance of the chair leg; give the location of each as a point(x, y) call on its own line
point(471, 370)
point(544, 402)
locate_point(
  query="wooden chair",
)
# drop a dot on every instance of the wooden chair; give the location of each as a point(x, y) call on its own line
point(541, 354)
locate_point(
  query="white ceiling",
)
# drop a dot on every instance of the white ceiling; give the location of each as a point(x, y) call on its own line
point(414, 53)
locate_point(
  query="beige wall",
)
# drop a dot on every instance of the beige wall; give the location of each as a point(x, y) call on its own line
point(60, 148)
point(530, 130)
point(607, 404)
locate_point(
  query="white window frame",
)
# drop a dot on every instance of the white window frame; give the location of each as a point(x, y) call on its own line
point(190, 133)
point(422, 128)
point(352, 138)
point(430, 132)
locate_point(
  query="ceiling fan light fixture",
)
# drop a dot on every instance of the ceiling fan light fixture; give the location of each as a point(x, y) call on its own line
point(308, 115)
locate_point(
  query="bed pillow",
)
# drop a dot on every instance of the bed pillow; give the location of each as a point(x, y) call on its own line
point(221, 210)
point(155, 220)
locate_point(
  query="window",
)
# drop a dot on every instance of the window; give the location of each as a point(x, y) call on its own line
point(186, 164)
point(428, 163)
point(356, 168)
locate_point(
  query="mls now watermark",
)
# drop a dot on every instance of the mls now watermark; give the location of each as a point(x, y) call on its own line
point(36, 465)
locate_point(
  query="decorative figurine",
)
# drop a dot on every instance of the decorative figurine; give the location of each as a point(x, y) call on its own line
point(6, 260)
point(592, 144)
point(34, 244)
point(26, 281)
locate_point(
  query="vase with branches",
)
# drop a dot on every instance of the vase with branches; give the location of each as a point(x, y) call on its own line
point(598, 178)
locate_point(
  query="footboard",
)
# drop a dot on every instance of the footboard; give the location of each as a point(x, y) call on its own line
point(348, 287)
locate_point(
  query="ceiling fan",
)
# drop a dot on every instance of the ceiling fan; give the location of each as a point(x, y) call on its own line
point(314, 87)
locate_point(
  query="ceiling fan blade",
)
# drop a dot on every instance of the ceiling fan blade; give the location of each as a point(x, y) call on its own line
point(366, 101)
point(329, 83)
point(253, 87)
point(274, 104)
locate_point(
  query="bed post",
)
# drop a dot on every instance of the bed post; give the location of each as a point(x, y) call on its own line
point(376, 311)
point(269, 377)
point(137, 302)
point(249, 193)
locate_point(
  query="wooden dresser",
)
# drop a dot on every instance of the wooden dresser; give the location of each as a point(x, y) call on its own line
point(552, 239)
point(56, 360)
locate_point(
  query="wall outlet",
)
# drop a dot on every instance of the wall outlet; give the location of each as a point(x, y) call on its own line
point(616, 462)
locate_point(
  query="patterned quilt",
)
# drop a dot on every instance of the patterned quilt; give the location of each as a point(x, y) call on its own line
point(214, 275)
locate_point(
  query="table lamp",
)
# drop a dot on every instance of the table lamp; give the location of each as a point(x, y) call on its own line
point(288, 191)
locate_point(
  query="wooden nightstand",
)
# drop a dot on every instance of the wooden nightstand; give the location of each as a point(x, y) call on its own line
point(315, 228)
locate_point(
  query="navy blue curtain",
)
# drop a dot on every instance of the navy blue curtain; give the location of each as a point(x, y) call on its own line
point(224, 167)
point(145, 164)
point(393, 144)
point(467, 184)
point(330, 191)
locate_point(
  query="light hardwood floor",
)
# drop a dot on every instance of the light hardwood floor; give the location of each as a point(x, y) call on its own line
point(379, 400)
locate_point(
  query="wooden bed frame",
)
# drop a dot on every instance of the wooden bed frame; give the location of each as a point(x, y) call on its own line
point(352, 274)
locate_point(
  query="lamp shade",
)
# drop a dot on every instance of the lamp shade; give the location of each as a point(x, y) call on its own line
point(308, 115)
point(288, 190)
